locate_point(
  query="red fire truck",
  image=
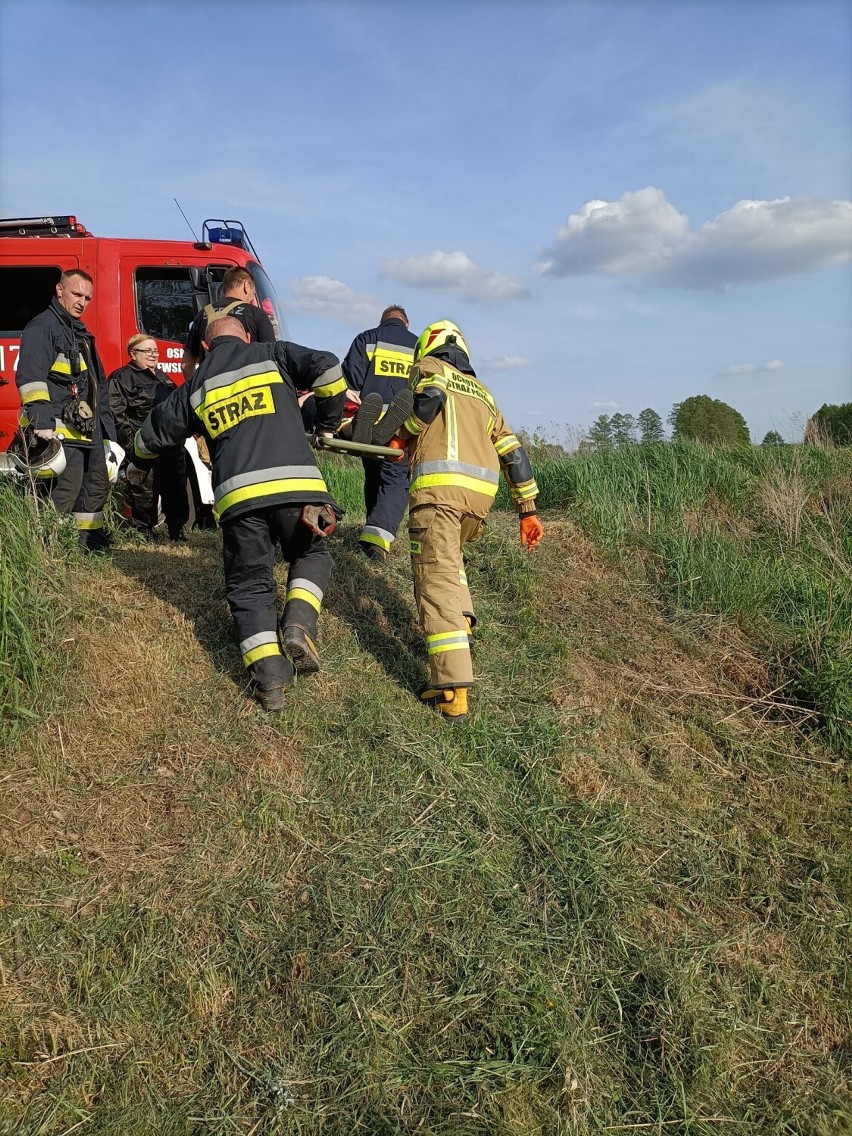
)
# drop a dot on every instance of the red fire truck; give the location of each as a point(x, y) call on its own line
point(154, 287)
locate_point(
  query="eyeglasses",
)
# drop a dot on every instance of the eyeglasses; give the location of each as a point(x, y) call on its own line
point(146, 351)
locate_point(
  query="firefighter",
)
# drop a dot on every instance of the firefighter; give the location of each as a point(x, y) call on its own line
point(457, 444)
point(63, 393)
point(376, 369)
point(239, 299)
point(267, 488)
point(133, 391)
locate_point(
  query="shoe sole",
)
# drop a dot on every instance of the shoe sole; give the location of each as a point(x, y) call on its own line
point(301, 655)
point(399, 409)
point(365, 419)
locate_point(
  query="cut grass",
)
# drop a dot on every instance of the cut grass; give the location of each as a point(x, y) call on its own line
point(615, 900)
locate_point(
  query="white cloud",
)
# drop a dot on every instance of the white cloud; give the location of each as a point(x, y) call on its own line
point(323, 296)
point(643, 235)
point(455, 272)
point(505, 362)
point(752, 368)
point(603, 406)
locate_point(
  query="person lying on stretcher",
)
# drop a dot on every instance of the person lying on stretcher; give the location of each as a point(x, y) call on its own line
point(366, 421)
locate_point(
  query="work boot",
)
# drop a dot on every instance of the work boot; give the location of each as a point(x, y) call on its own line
point(366, 418)
point(301, 649)
point(177, 536)
point(451, 703)
point(271, 698)
point(401, 406)
point(373, 551)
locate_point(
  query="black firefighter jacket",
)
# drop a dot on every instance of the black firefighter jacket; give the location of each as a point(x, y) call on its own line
point(380, 359)
point(133, 392)
point(243, 399)
point(58, 362)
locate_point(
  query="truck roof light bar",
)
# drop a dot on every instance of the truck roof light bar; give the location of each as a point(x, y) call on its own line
point(221, 232)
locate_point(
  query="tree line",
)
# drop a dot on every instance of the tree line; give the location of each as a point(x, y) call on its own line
point(704, 419)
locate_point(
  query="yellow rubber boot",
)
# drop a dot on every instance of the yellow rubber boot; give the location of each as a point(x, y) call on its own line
point(451, 703)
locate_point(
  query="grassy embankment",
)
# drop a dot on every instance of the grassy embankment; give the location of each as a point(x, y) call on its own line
point(617, 900)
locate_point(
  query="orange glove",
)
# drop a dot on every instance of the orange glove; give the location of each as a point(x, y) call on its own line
point(532, 530)
point(396, 443)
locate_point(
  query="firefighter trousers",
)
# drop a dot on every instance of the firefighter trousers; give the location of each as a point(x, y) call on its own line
point(248, 553)
point(165, 482)
point(385, 498)
point(438, 535)
point(82, 490)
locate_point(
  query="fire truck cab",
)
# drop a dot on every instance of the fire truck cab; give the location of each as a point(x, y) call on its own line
point(153, 287)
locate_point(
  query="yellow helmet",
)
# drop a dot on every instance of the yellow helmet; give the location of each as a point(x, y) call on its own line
point(440, 334)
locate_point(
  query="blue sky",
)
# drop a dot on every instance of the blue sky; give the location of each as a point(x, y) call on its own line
point(622, 203)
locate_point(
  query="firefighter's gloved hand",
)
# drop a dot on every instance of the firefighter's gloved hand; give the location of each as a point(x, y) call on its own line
point(532, 530)
point(134, 475)
point(396, 443)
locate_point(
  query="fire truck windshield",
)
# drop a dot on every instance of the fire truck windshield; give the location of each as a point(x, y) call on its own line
point(268, 300)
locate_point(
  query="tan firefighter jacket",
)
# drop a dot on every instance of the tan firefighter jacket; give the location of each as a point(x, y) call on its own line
point(460, 443)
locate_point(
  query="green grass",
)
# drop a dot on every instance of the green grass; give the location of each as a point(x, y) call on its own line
point(35, 550)
point(604, 904)
point(761, 535)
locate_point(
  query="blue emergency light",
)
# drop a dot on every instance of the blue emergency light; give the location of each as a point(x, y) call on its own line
point(224, 232)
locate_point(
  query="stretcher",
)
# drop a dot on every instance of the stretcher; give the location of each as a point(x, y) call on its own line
point(358, 449)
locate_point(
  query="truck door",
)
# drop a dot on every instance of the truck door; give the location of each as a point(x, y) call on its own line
point(166, 299)
point(26, 288)
point(163, 307)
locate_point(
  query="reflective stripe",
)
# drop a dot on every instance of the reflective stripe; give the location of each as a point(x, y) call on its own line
point(257, 640)
point(447, 641)
point(372, 534)
point(281, 486)
point(219, 385)
point(503, 445)
point(62, 364)
point(302, 594)
point(89, 520)
point(259, 646)
point(34, 392)
point(261, 653)
point(427, 381)
point(412, 425)
point(337, 387)
point(452, 429)
point(525, 491)
point(308, 586)
point(393, 350)
point(139, 447)
point(463, 577)
point(458, 479)
point(329, 382)
point(479, 471)
point(67, 433)
point(271, 473)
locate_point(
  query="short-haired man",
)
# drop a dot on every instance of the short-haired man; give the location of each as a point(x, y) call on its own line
point(63, 392)
point(267, 487)
point(377, 365)
point(239, 299)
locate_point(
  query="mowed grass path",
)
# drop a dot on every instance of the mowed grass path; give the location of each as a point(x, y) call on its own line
point(614, 901)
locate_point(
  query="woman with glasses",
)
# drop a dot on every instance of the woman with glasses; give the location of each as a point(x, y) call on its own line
point(133, 390)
